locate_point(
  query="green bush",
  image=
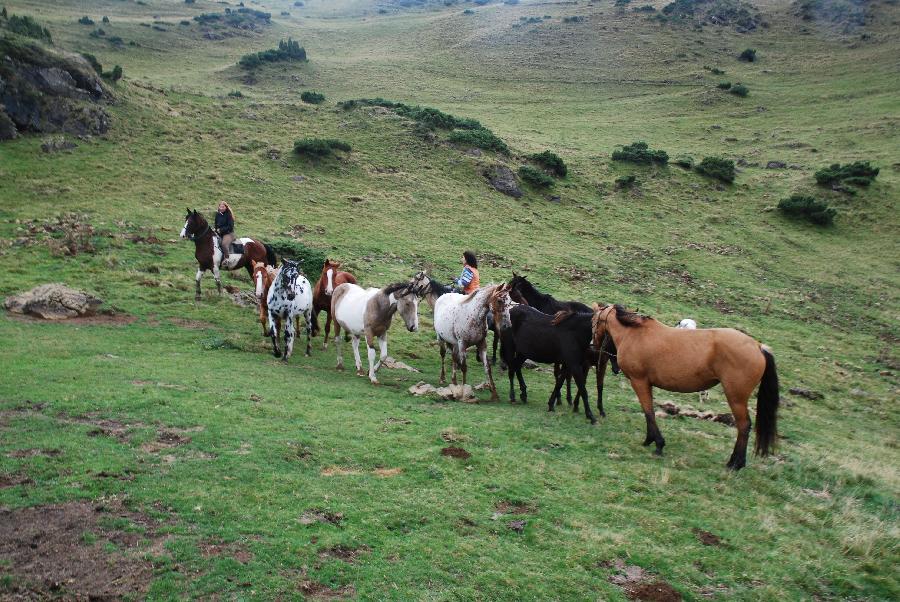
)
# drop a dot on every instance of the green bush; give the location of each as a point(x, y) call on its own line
point(313, 98)
point(288, 50)
point(427, 116)
point(26, 26)
point(625, 182)
point(85, 20)
point(311, 260)
point(535, 177)
point(717, 168)
point(748, 55)
point(481, 138)
point(319, 147)
point(806, 207)
point(114, 75)
point(639, 152)
point(468, 11)
point(740, 90)
point(724, 85)
point(235, 94)
point(552, 162)
point(684, 161)
point(95, 64)
point(859, 173)
point(3, 13)
point(105, 19)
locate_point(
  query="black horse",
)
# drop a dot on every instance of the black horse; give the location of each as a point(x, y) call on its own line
point(522, 291)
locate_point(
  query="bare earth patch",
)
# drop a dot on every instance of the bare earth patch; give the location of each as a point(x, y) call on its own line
point(45, 551)
point(638, 584)
point(217, 549)
point(456, 452)
point(13, 479)
point(320, 591)
point(316, 515)
point(166, 439)
point(387, 472)
point(33, 452)
point(507, 507)
point(345, 553)
point(707, 538)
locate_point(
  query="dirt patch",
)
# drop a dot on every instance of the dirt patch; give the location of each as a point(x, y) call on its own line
point(165, 439)
point(451, 436)
point(506, 507)
point(217, 549)
point(62, 552)
point(107, 319)
point(33, 452)
point(345, 553)
point(320, 591)
point(150, 383)
point(190, 324)
point(13, 479)
point(639, 584)
point(333, 471)
point(387, 472)
point(517, 525)
point(316, 515)
point(707, 538)
point(106, 427)
point(658, 591)
point(456, 452)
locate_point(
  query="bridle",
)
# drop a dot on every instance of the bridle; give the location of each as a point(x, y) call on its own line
point(606, 336)
point(200, 235)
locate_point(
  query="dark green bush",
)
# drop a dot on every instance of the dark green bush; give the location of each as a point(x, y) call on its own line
point(3, 13)
point(85, 20)
point(551, 161)
point(808, 208)
point(717, 168)
point(639, 152)
point(647, 8)
point(427, 116)
point(535, 177)
point(468, 11)
point(748, 55)
point(313, 98)
point(684, 161)
point(105, 19)
point(574, 19)
point(714, 70)
point(288, 50)
point(114, 75)
point(319, 147)
point(481, 138)
point(625, 182)
point(740, 90)
point(185, 22)
point(723, 85)
point(235, 94)
point(95, 64)
point(26, 26)
point(311, 260)
point(97, 33)
point(859, 173)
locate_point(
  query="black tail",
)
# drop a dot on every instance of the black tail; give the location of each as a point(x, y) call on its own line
point(767, 408)
point(270, 256)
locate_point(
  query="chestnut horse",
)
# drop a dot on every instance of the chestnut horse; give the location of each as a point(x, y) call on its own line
point(652, 354)
point(263, 276)
point(209, 254)
point(331, 277)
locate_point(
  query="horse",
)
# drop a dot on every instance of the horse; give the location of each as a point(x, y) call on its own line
point(689, 324)
point(435, 290)
point(522, 291)
point(330, 278)
point(652, 354)
point(208, 250)
point(290, 297)
point(460, 322)
point(263, 276)
point(563, 339)
point(369, 312)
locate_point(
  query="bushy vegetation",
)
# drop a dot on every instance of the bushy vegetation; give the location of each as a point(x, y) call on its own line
point(858, 173)
point(748, 56)
point(684, 161)
point(318, 148)
point(311, 260)
point(25, 26)
point(288, 50)
point(241, 18)
point(741, 15)
point(640, 152)
point(85, 20)
point(717, 168)
point(313, 98)
point(94, 63)
point(813, 210)
point(114, 75)
point(647, 8)
point(625, 182)
point(427, 116)
point(481, 138)
point(535, 177)
point(850, 13)
point(550, 161)
point(740, 90)
point(724, 85)
point(573, 19)
point(468, 11)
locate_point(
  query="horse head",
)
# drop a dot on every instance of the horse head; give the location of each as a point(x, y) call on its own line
point(515, 287)
point(501, 303)
point(194, 224)
point(259, 278)
point(328, 272)
point(420, 283)
point(408, 307)
point(288, 277)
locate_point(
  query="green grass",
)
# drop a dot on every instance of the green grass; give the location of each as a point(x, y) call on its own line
point(817, 520)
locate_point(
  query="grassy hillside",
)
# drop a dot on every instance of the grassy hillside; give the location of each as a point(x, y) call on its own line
point(242, 500)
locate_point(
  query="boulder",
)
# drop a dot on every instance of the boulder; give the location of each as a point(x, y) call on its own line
point(53, 302)
point(776, 165)
point(8, 129)
point(503, 180)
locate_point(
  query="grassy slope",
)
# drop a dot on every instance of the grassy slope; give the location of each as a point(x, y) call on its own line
point(599, 495)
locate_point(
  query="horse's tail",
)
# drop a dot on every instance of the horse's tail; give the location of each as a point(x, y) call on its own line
point(270, 256)
point(767, 407)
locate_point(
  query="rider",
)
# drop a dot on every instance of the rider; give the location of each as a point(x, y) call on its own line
point(225, 226)
point(468, 281)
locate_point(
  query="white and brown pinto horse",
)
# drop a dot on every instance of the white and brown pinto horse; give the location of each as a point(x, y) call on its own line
point(209, 254)
point(369, 312)
point(460, 322)
point(263, 276)
point(652, 354)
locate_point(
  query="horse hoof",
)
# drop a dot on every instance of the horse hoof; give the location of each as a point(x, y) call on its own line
point(360, 373)
point(276, 354)
point(375, 381)
point(339, 367)
point(657, 452)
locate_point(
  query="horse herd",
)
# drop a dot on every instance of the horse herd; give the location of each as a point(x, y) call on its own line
point(528, 324)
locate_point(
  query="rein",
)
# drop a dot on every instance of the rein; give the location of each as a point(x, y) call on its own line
point(196, 237)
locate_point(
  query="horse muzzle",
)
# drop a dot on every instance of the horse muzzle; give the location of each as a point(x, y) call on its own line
point(412, 328)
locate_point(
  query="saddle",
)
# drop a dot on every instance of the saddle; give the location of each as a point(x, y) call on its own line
point(237, 248)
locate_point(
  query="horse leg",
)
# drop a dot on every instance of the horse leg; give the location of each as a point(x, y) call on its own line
point(337, 345)
point(738, 404)
point(580, 375)
point(555, 395)
point(327, 328)
point(218, 279)
point(274, 327)
point(454, 362)
point(288, 338)
point(644, 391)
point(382, 344)
point(482, 350)
point(197, 280)
point(356, 359)
point(494, 350)
point(601, 375)
point(704, 396)
point(309, 329)
point(461, 362)
point(443, 349)
point(373, 365)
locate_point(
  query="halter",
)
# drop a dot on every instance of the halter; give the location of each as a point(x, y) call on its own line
point(606, 335)
point(199, 236)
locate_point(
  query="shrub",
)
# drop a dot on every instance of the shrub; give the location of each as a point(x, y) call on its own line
point(189, 1)
point(105, 19)
point(481, 138)
point(235, 94)
point(717, 168)
point(740, 90)
point(647, 8)
point(26, 26)
point(723, 85)
point(319, 147)
point(684, 161)
point(575, 19)
point(288, 50)
point(85, 20)
point(114, 75)
point(859, 173)
point(468, 11)
point(551, 161)
point(748, 55)
point(185, 22)
point(95, 64)
point(298, 3)
point(313, 98)
point(535, 177)
point(311, 260)
point(806, 207)
point(639, 152)
point(3, 13)
point(625, 182)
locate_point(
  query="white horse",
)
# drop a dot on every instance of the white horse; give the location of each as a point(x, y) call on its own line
point(290, 296)
point(369, 312)
point(689, 324)
point(460, 322)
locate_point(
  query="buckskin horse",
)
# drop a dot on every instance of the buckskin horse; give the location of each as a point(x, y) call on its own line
point(208, 250)
point(331, 277)
point(651, 354)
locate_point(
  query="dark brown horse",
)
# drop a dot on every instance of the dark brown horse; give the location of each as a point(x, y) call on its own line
point(209, 253)
point(331, 277)
point(652, 354)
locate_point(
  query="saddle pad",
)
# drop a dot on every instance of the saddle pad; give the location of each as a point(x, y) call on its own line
point(237, 248)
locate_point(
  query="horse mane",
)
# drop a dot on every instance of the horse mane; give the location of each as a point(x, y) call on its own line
point(629, 319)
point(437, 288)
point(393, 288)
point(474, 293)
point(561, 316)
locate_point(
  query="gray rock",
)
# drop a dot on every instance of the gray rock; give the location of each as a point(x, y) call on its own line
point(503, 180)
point(8, 129)
point(776, 165)
point(53, 302)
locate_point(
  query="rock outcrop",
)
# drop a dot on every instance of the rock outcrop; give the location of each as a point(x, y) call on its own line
point(53, 302)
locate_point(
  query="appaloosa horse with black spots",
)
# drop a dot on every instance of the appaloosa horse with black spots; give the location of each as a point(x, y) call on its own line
point(209, 253)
